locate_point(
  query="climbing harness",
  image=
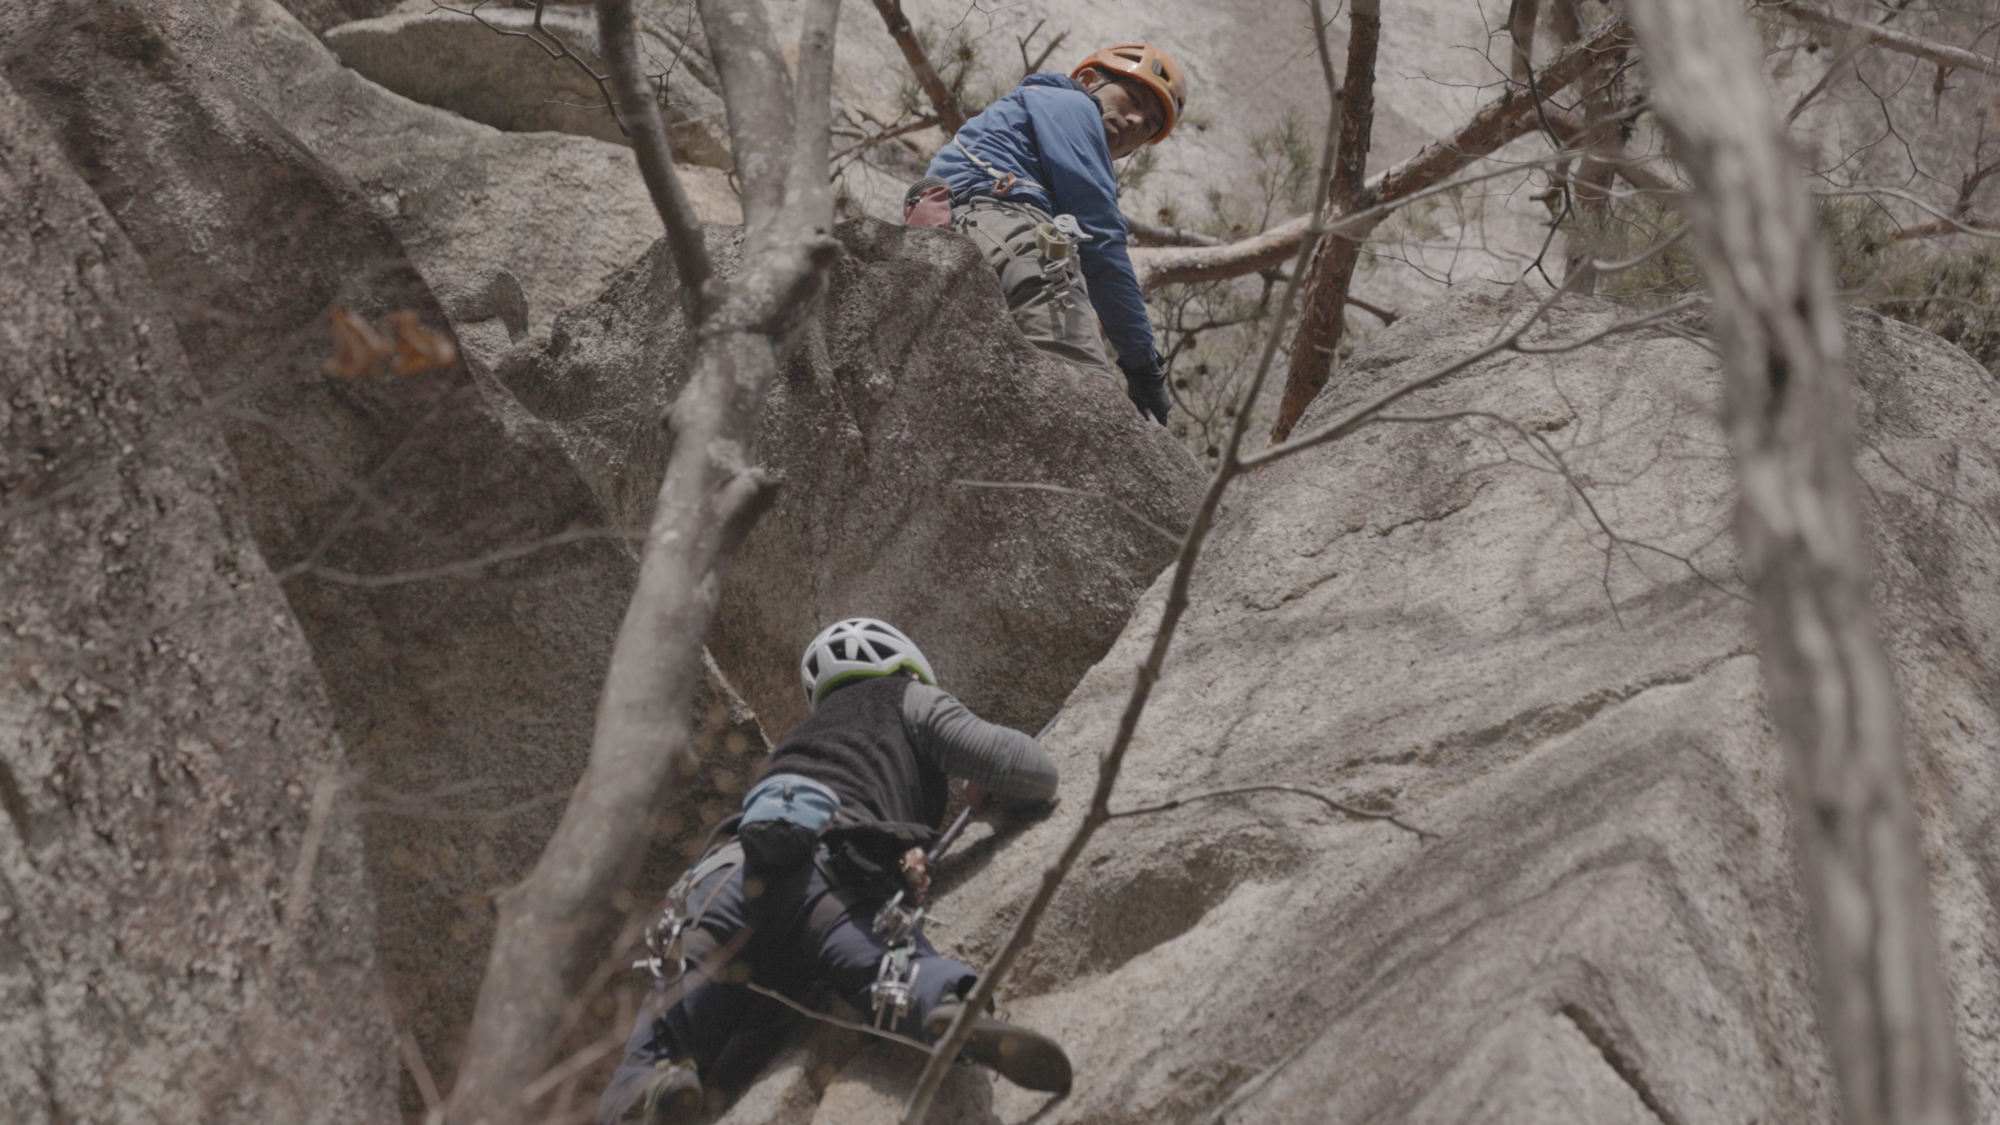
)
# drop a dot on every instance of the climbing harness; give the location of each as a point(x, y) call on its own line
point(1056, 239)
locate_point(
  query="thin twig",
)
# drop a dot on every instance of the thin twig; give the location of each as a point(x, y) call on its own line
point(420, 1073)
point(1385, 315)
point(300, 893)
point(1500, 120)
point(923, 122)
point(464, 568)
point(554, 47)
point(574, 1065)
point(1561, 468)
point(917, 1108)
point(835, 1020)
point(1279, 787)
point(1156, 529)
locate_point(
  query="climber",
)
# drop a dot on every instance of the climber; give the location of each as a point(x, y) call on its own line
point(818, 888)
point(1042, 155)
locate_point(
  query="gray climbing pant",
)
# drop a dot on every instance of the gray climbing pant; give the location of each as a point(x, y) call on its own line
point(1064, 325)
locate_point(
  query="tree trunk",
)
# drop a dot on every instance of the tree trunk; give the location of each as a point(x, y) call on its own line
point(555, 927)
point(1884, 1008)
point(1325, 314)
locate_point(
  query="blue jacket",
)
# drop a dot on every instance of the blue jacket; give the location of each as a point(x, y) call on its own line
point(1047, 129)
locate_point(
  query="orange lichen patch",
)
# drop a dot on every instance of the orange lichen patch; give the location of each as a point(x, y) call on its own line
point(359, 348)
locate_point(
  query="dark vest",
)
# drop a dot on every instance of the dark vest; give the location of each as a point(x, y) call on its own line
point(855, 745)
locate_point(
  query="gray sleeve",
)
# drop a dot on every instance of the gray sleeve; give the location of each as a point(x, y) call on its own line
point(1004, 760)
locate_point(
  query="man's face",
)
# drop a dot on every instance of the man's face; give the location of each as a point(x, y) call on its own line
point(1132, 115)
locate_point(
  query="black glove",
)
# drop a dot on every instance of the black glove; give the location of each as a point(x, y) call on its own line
point(1147, 388)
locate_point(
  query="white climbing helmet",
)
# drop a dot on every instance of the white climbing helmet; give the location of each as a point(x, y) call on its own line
point(856, 649)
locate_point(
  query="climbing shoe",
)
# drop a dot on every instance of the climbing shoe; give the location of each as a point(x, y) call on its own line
point(673, 1097)
point(1026, 1058)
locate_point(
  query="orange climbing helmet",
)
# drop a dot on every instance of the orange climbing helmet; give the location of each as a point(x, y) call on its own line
point(1147, 64)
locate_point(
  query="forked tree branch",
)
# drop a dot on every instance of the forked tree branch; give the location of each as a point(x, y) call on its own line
point(554, 925)
point(1884, 1009)
point(1501, 120)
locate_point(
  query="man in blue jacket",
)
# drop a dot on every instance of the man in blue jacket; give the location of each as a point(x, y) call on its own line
point(1045, 150)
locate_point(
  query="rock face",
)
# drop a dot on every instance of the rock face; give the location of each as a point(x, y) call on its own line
point(914, 382)
point(319, 15)
point(1425, 618)
point(505, 72)
point(449, 569)
point(185, 930)
point(563, 214)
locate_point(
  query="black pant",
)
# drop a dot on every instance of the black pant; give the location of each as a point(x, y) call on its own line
point(767, 937)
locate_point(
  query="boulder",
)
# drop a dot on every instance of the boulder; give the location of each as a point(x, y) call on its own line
point(319, 15)
point(525, 71)
point(1601, 922)
point(451, 572)
point(562, 213)
point(913, 391)
point(185, 929)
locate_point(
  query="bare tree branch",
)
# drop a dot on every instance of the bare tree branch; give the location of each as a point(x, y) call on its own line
point(1379, 312)
point(553, 926)
point(1510, 115)
point(1324, 317)
point(1943, 54)
point(1884, 1009)
point(868, 142)
point(648, 133)
point(943, 100)
point(1151, 235)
